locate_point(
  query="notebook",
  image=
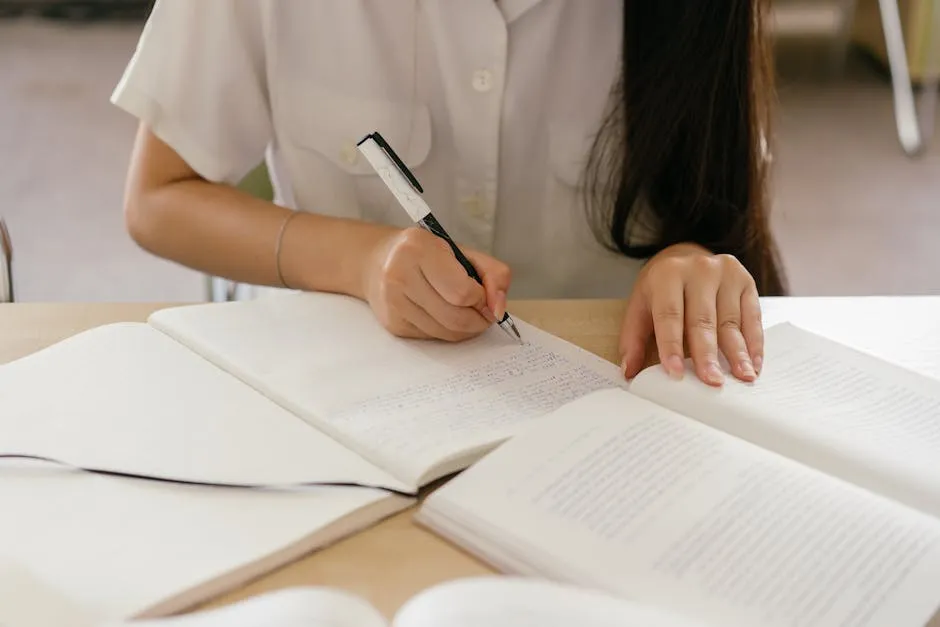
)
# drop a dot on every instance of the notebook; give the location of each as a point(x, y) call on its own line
point(277, 426)
point(810, 497)
point(468, 602)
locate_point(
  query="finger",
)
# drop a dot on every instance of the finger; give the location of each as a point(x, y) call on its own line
point(701, 331)
point(752, 327)
point(449, 279)
point(635, 333)
point(497, 278)
point(465, 321)
point(415, 315)
point(401, 327)
point(404, 329)
point(730, 336)
point(666, 312)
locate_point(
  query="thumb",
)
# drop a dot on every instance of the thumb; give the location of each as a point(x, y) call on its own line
point(635, 332)
point(496, 280)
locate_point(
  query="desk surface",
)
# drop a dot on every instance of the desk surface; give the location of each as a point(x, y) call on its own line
point(395, 559)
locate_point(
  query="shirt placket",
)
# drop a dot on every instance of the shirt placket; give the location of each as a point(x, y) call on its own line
point(477, 35)
point(479, 190)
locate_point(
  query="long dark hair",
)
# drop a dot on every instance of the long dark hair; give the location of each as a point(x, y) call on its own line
point(684, 152)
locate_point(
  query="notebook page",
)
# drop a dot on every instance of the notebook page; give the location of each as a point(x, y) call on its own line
point(122, 547)
point(289, 607)
point(27, 601)
point(408, 405)
point(616, 493)
point(527, 602)
point(126, 397)
point(825, 404)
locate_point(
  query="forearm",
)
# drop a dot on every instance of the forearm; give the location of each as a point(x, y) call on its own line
point(226, 232)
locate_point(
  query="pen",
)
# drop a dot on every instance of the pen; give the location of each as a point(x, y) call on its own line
point(407, 190)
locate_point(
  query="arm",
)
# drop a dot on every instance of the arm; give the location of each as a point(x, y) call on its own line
point(196, 141)
point(410, 278)
point(215, 228)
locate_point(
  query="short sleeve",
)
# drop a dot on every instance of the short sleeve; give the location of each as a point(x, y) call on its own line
point(197, 78)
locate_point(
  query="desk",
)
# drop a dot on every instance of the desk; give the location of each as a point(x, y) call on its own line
point(395, 559)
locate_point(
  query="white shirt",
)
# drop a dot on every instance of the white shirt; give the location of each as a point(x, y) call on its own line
point(493, 107)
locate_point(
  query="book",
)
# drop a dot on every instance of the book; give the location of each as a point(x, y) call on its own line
point(466, 602)
point(810, 497)
point(222, 440)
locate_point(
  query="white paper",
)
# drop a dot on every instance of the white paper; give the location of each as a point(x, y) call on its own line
point(408, 404)
point(290, 607)
point(525, 602)
point(27, 601)
point(829, 406)
point(126, 397)
point(615, 492)
point(904, 330)
point(120, 547)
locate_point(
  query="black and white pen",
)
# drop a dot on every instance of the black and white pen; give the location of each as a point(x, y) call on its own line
point(407, 190)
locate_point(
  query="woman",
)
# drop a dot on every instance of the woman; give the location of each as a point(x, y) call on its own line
point(574, 148)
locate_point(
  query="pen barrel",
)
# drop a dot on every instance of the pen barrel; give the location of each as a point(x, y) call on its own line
point(430, 223)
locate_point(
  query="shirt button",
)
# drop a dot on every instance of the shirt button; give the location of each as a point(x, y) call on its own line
point(349, 154)
point(483, 80)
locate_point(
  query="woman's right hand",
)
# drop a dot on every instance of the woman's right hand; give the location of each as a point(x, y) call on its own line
point(418, 289)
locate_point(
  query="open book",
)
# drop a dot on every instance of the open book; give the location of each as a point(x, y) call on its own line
point(809, 498)
point(252, 401)
point(470, 602)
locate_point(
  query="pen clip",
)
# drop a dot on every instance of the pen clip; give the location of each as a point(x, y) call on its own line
point(377, 137)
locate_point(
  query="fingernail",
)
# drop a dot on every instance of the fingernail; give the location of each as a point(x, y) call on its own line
point(746, 368)
point(713, 372)
point(488, 314)
point(499, 307)
point(675, 366)
point(623, 366)
point(758, 363)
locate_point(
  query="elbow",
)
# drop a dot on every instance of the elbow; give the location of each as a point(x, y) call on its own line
point(141, 219)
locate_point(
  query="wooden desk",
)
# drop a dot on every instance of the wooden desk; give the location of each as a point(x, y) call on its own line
point(394, 560)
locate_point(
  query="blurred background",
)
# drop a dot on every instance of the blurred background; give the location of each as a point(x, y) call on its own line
point(857, 169)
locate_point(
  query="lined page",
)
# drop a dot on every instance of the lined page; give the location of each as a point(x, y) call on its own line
point(408, 405)
point(126, 397)
point(617, 493)
point(830, 406)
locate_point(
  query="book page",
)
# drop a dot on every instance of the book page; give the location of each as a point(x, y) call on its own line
point(617, 493)
point(412, 406)
point(527, 602)
point(134, 549)
point(912, 341)
point(822, 403)
point(288, 607)
point(126, 397)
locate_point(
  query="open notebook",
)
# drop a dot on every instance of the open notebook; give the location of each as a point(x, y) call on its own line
point(286, 390)
point(252, 401)
point(809, 498)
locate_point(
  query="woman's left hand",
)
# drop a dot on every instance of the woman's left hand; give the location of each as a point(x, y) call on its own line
point(686, 294)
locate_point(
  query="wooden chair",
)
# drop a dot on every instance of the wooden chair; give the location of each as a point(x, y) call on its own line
point(914, 128)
